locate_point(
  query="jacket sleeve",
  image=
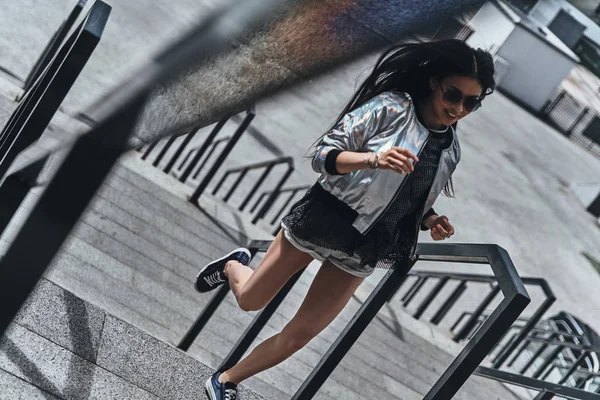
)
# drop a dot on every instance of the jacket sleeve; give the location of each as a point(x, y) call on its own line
point(425, 216)
point(352, 132)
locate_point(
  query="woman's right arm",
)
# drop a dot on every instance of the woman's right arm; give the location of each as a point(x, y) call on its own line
point(395, 159)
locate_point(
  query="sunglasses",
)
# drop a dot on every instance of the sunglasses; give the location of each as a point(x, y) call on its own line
point(455, 96)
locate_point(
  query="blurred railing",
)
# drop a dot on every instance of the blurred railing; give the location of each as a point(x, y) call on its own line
point(43, 97)
point(477, 317)
point(52, 48)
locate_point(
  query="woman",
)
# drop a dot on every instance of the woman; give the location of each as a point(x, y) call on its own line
point(390, 154)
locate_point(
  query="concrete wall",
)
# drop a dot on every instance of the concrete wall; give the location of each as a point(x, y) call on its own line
point(536, 68)
point(491, 28)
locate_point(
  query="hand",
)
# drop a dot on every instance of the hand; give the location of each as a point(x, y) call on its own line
point(441, 228)
point(397, 159)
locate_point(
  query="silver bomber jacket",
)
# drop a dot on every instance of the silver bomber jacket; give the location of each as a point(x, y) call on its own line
point(388, 120)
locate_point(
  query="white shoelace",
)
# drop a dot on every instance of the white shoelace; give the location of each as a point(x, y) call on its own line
point(214, 278)
point(230, 394)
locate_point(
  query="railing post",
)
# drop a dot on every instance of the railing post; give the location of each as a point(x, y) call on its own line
point(208, 156)
point(207, 312)
point(258, 183)
point(271, 200)
point(430, 297)
point(188, 138)
point(261, 319)
point(52, 47)
point(235, 185)
point(211, 136)
point(533, 321)
point(449, 303)
point(149, 149)
point(203, 318)
point(363, 317)
point(471, 322)
point(412, 292)
point(574, 367)
point(549, 360)
point(217, 164)
point(164, 150)
point(544, 395)
point(539, 351)
point(284, 206)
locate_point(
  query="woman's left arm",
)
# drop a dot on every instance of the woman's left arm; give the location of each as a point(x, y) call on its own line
point(440, 227)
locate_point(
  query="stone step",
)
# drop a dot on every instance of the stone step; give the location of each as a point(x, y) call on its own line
point(60, 346)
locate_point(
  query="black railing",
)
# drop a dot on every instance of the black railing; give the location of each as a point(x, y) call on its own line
point(42, 100)
point(575, 120)
point(194, 155)
point(476, 318)
point(242, 172)
point(52, 48)
point(489, 334)
point(547, 390)
point(291, 191)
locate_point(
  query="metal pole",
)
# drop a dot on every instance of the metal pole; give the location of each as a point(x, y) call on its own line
point(202, 149)
point(164, 151)
point(574, 367)
point(261, 319)
point(363, 317)
point(269, 203)
point(414, 290)
point(258, 183)
point(217, 164)
point(549, 360)
point(539, 351)
point(180, 149)
point(203, 318)
point(149, 150)
point(544, 395)
point(533, 321)
point(471, 322)
point(235, 185)
point(448, 304)
point(284, 206)
point(208, 156)
point(260, 198)
point(430, 297)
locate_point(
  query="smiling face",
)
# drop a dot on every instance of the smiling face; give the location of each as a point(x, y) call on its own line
point(445, 112)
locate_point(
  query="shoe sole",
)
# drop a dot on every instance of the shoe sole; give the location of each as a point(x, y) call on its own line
point(210, 391)
point(244, 250)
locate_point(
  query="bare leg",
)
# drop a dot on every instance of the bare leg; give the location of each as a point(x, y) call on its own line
point(328, 295)
point(254, 289)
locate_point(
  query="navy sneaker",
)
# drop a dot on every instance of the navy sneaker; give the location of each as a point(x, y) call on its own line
point(212, 276)
point(216, 390)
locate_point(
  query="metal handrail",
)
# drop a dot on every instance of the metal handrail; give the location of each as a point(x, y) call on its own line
point(535, 384)
point(471, 325)
point(243, 171)
point(51, 48)
point(43, 98)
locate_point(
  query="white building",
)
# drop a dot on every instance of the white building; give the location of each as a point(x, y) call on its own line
point(531, 61)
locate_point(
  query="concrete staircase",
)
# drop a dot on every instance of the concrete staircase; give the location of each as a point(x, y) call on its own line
point(62, 347)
